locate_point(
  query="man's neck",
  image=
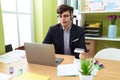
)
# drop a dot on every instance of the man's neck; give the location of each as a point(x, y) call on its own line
point(67, 27)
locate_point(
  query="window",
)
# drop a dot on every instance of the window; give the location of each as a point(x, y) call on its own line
point(17, 21)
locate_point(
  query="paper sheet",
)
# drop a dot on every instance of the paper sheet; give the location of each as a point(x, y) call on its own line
point(4, 76)
point(67, 70)
point(12, 56)
point(72, 69)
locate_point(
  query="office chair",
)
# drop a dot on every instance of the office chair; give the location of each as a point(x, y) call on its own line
point(8, 48)
point(20, 48)
point(108, 53)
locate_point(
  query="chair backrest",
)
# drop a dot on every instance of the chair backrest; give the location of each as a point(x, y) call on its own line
point(20, 48)
point(108, 53)
point(8, 48)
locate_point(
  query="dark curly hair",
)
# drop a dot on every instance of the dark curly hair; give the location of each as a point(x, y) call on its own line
point(62, 8)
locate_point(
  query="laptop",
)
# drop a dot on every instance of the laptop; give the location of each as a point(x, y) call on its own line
point(43, 54)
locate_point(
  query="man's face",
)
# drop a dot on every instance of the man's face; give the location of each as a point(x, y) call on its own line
point(65, 18)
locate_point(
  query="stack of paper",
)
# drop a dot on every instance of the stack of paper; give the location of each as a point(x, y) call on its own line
point(32, 76)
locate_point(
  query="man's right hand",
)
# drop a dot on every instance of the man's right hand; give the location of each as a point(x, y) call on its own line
point(83, 55)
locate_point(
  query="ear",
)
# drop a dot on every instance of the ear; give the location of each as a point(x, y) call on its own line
point(71, 17)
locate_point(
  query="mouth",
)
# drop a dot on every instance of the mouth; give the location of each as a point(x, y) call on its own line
point(64, 22)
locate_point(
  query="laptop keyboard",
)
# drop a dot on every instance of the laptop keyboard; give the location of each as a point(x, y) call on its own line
point(59, 60)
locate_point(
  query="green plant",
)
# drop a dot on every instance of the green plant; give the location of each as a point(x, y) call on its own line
point(86, 67)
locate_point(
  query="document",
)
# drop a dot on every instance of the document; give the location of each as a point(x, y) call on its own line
point(67, 70)
point(12, 56)
point(4, 76)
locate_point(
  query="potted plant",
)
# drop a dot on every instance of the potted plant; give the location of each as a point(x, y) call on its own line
point(85, 70)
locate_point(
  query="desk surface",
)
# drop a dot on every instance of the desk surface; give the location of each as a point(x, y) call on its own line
point(110, 72)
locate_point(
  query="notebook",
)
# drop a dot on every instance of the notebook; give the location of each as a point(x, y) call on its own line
point(43, 54)
point(31, 76)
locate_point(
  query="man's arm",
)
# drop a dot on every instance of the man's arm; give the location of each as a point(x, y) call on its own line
point(48, 38)
point(82, 44)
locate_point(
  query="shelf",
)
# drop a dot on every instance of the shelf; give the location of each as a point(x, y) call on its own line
point(87, 12)
point(103, 38)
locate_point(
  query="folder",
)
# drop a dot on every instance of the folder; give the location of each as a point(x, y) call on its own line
point(31, 76)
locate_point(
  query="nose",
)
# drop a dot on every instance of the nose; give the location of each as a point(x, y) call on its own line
point(62, 20)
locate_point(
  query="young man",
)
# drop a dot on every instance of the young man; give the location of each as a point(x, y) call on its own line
point(65, 35)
